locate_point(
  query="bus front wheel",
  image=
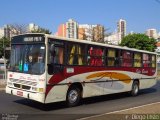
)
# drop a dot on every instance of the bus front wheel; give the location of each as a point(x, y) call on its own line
point(73, 96)
point(135, 88)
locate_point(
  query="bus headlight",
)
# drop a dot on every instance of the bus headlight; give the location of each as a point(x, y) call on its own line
point(34, 88)
point(9, 84)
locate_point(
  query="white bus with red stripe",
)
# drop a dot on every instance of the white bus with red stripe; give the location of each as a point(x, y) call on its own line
point(46, 68)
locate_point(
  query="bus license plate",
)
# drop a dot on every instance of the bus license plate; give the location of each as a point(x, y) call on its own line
point(19, 93)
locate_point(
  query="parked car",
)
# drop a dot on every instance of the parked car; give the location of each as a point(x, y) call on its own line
point(2, 66)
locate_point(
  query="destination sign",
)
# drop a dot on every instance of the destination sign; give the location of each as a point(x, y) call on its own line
point(31, 38)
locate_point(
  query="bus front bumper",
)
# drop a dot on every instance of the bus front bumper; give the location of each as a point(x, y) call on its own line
point(40, 97)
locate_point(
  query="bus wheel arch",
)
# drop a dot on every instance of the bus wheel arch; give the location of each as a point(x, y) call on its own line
point(74, 94)
point(135, 87)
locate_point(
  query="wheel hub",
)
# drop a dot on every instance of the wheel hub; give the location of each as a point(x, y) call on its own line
point(73, 95)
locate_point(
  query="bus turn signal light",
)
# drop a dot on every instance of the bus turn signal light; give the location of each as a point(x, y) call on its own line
point(41, 90)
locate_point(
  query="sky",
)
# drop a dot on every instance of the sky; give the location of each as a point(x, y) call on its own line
point(139, 14)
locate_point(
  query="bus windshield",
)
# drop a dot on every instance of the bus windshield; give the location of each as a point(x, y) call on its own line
point(28, 58)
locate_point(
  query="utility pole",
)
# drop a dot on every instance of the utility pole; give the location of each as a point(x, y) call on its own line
point(5, 68)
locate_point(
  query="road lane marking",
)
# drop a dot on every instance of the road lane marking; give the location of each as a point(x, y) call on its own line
point(119, 111)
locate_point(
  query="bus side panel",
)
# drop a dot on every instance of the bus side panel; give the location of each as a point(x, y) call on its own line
point(57, 93)
point(117, 82)
point(97, 83)
point(148, 81)
point(109, 82)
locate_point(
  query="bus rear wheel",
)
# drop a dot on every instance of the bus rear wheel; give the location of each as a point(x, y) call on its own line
point(73, 96)
point(135, 88)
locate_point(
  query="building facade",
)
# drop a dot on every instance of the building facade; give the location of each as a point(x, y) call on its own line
point(1, 32)
point(32, 27)
point(88, 29)
point(121, 26)
point(113, 39)
point(71, 29)
point(62, 30)
point(98, 33)
point(81, 34)
point(152, 33)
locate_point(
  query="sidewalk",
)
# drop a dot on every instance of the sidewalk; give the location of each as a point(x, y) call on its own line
point(144, 112)
point(2, 87)
point(2, 84)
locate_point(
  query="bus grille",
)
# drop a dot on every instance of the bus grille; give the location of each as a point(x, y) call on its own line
point(17, 85)
point(24, 82)
point(22, 86)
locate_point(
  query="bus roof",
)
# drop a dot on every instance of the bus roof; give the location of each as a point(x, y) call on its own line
point(89, 42)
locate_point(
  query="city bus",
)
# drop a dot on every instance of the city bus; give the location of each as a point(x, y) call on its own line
point(47, 69)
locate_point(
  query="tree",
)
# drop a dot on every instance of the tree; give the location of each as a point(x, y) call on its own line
point(20, 28)
point(41, 30)
point(139, 41)
point(4, 42)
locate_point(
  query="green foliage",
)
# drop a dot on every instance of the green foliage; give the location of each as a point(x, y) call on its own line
point(41, 30)
point(4, 42)
point(139, 41)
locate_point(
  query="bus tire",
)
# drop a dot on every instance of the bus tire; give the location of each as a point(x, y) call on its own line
point(135, 88)
point(73, 96)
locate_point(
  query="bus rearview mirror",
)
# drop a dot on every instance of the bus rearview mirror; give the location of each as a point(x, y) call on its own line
point(52, 48)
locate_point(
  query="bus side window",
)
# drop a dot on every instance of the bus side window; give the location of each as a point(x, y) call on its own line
point(95, 56)
point(76, 54)
point(57, 55)
point(111, 57)
point(126, 59)
point(153, 61)
point(137, 60)
point(146, 60)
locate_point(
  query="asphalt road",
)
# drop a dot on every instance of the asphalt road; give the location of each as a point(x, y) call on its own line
point(24, 109)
